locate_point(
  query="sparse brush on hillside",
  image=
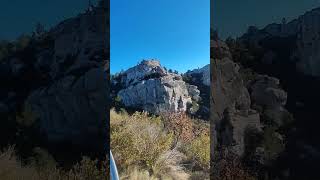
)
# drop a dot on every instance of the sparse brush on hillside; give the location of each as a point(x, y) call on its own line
point(41, 167)
point(154, 147)
point(230, 167)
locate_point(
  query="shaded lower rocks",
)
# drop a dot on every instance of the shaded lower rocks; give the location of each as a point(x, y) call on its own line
point(245, 114)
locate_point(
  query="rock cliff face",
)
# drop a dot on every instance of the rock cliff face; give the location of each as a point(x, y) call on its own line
point(290, 52)
point(302, 35)
point(74, 105)
point(204, 73)
point(231, 101)
point(151, 87)
point(66, 79)
point(238, 108)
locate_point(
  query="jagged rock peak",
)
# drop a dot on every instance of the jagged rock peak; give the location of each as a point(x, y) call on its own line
point(142, 70)
point(151, 87)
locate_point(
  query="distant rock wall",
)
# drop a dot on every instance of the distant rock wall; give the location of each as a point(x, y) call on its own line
point(204, 72)
point(306, 40)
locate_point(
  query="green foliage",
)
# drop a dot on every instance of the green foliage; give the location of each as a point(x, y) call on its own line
point(194, 107)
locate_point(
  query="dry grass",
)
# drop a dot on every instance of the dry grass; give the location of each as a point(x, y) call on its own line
point(231, 168)
point(151, 146)
point(11, 168)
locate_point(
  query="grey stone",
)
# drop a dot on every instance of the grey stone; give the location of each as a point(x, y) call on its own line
point(150, 87)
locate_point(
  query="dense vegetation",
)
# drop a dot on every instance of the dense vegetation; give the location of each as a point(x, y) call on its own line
point(159, 147)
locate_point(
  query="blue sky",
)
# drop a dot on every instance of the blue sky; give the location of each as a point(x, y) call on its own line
point(176, 32)
point(232, 17)
point(20, 16)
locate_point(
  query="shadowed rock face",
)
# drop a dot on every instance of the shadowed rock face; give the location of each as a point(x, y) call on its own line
point(300, 37)
point(234, 111)
point(231, 102)
point(151, 87)
point(204, 72)
point(73, 105)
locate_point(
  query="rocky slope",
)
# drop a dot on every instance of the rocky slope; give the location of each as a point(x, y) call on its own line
point(300, 37)
point(150, 87)
point(246, 114)
point(203, 73)
point(290, 52)
point(61, 77)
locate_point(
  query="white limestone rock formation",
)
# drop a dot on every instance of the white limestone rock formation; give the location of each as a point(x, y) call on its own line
point(151, 87)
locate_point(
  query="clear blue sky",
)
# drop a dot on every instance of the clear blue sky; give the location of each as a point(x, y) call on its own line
point(177, 32)
point(20, 16)
point(232, 17)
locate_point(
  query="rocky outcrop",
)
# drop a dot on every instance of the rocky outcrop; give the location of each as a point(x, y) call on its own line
point(231, 102)
point(235, 113)
point(62, 75)
point(151, 87)
point(73, 106)
point(201, 79)
point(301, 38)
point(203, 72)
point(267, 95)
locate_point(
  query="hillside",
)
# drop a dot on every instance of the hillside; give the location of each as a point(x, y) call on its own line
point(288, 52)
point(162, 117)
point(54, 90)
